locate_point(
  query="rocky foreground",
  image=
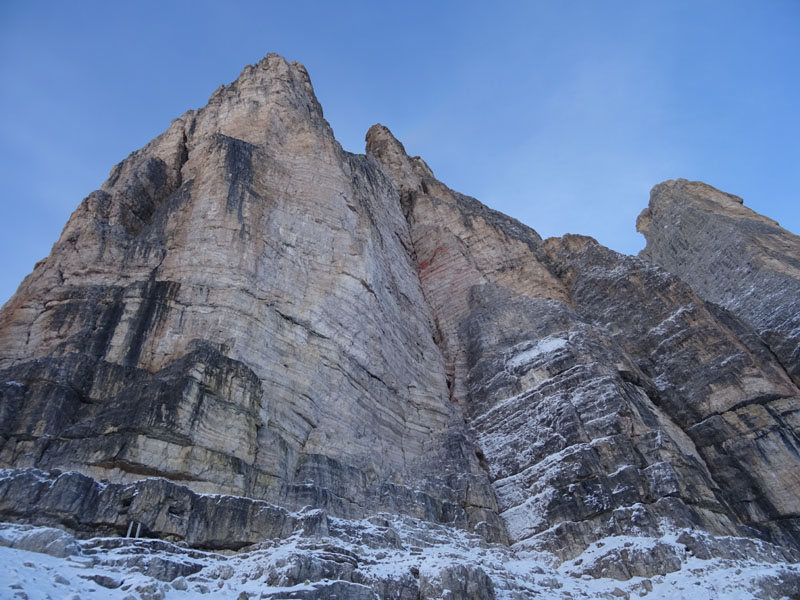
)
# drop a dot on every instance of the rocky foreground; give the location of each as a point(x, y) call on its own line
point(387, 556)
point(297, 372)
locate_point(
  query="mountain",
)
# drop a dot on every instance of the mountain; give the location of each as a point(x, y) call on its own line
point(356, 382)
point(732, 256)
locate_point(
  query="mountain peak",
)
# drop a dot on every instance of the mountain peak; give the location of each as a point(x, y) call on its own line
point(271, 97)
point(246, 310)
point(699, 195)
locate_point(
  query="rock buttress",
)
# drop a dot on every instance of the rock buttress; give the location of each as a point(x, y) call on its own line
point(236, 309)
point(605, 396)
point(730, 255)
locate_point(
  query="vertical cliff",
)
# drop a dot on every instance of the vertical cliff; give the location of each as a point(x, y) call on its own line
point(604, 394)
point(732, 256)
point(237, 309)
point(248, 333)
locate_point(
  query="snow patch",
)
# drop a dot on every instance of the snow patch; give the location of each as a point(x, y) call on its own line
point(524, 353)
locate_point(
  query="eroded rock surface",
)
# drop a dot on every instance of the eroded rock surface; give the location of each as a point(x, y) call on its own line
point(730, 255)
point(604, 395)
point(709, 374)
point(249, 334)
point(401, 559)
point(237, 309)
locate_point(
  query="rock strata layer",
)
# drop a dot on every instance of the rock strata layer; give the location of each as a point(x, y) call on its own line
point(603, 393)
point(245, 309)
point(316, 556)
point(730, 255)
point(237, 309)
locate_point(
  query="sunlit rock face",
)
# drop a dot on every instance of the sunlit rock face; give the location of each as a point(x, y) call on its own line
point(237, 309)
point(246, 309)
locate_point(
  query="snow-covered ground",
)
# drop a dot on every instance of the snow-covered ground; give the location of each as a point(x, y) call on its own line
point(386, 555)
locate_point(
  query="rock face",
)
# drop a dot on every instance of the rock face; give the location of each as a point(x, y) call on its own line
point(246, 309)
point(237, 309)
point(731, 256)
point(604, 393)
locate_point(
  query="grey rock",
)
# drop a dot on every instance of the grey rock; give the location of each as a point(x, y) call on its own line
point(179, 583)
point(336, 590)
point(402, 587)
point(588, 377)
point(633, 560)
point(786, 584)
point(730, 255)
point(165, 510)
point(314, 565)
point(164, 309)
point(150, 591)
point(48, 540)
point(459, 582)
point(105, 581)
point(708, 372)
point(249, 339)
point(706, 547)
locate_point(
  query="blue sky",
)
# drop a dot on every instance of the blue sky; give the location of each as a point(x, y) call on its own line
point(562, 114)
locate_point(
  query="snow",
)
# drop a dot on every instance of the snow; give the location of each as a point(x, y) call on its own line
point(426, 547)
point(530, 516)
point(524, 353)
point(671, 322)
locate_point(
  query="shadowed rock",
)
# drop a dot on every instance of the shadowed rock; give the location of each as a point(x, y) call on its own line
point(730, 255)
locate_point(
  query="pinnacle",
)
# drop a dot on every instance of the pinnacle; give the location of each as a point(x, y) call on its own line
point(271, 60)
point(380, 139)
point(272, 70)
point(407, 171)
